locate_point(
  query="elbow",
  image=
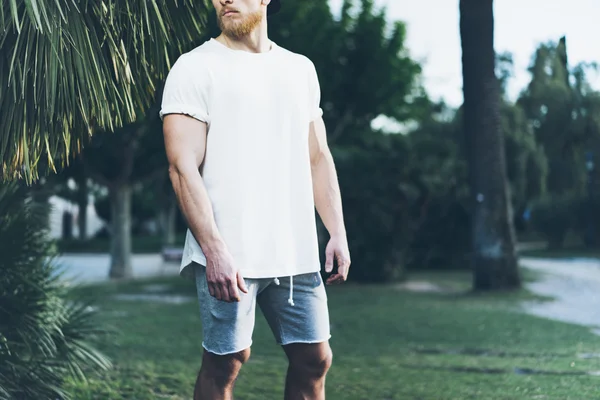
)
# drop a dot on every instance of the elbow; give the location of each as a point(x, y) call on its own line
point(182, 170)
point(320, 157)
point(175, 173)
point(315, 159)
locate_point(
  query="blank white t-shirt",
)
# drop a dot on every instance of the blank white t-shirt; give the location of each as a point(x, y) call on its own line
point(258, 108)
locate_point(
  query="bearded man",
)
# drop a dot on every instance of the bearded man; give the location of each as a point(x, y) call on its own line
point(249, 163)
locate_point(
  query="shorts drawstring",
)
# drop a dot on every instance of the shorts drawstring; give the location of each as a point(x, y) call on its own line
point(291, 299)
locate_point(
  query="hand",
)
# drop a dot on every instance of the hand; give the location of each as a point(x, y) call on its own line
point(337, 249)
point(224, 278)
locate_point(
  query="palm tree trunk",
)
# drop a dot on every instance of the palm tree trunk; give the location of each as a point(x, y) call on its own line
point(493, 238)
point(120, 238)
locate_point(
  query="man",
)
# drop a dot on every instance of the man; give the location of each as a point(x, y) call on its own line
point(249, 162)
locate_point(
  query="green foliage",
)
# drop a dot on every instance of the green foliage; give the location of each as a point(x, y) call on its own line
point(563, 110)
point(441, 219)
point(526, 161)
point(44, 338)
point(72, 66)
point(442, 238)
point(361, 59)
point(377, 200)
point(553, 217)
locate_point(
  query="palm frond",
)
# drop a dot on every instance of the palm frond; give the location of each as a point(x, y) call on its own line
point(76, 65)
point(43, 337)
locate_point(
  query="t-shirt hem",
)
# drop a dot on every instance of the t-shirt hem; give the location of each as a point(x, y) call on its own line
point(187, 271)
point(277, 273)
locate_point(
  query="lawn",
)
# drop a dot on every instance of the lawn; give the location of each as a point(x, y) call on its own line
point(388, 344)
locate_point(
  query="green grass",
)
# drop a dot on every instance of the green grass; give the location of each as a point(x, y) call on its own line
point(387, 343)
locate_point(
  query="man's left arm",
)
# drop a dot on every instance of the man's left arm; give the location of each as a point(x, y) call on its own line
point(328, 201)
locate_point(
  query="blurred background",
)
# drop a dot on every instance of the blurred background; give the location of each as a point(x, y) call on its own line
point(465, 135)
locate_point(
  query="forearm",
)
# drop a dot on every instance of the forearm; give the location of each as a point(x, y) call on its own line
point(328, 200)
point(196, 207)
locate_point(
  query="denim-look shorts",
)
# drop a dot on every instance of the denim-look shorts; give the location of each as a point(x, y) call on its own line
point(297, 316)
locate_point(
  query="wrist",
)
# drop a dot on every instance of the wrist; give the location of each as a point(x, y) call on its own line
point(339, 233)
point(213, 248)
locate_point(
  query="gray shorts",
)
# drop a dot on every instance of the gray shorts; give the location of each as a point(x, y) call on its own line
point(228, 327)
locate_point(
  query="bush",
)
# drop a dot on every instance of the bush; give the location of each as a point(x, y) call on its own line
point(376, 200)
point(442, 239)
point(43, 337)
point(553, 217)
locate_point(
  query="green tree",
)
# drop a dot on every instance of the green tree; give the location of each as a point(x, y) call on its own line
point(549, 102)
point(563, 110)
point(493, 237)
point(118, 161)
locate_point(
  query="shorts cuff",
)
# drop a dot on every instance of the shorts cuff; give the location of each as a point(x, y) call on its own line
point(224, 353)
point(293, 341)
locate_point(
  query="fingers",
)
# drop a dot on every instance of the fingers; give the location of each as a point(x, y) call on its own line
point(211, 289)
point(227, 289)
point(329, 255)
point(335, 279)
point(232, 291)
point(340, 276)
point(217, 290)
point(241, 283)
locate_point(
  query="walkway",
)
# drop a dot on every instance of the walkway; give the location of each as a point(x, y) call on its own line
point(575, 286)
point(92, 268)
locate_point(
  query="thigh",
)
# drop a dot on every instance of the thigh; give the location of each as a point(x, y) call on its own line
point(307, 321)
point(227, 327)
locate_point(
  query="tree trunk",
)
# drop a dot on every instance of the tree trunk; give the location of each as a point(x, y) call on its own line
point(494, 256)
point(168, 217)
point(120, 238)
point(82, 204)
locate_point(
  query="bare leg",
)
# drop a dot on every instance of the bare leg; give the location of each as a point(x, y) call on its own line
point(308, 365)
point(218, 374)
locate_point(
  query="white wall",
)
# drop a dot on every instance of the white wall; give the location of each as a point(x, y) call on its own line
point(59, 205)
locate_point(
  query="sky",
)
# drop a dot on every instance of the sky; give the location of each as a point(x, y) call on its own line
point(433, 37)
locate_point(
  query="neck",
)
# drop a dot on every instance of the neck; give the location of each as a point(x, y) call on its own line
point(256, 41)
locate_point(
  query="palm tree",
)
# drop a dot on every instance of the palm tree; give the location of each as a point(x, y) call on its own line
point(44, 328)
point(493, 238)
point(68, 68)
point(77, 65)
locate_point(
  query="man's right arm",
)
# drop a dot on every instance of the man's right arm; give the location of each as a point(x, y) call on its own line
point(185, 144)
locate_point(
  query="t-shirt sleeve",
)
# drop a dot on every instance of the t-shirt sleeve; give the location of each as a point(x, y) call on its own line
point(186, 89)
point(315, 93)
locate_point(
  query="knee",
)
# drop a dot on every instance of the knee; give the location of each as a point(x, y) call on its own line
point(314, 364)
point(225, 368)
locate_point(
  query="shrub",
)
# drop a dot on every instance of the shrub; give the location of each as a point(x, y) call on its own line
point(43, 336)
point(442, 239)
point(377, 199)
point(554, 216)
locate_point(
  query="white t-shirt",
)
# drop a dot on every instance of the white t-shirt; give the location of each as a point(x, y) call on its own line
point(258, 108)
